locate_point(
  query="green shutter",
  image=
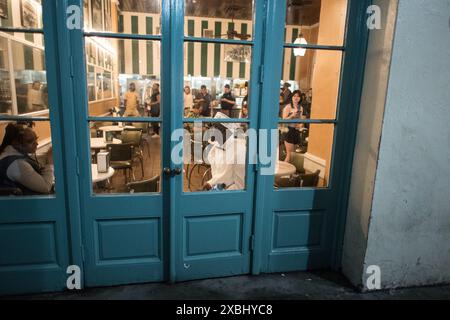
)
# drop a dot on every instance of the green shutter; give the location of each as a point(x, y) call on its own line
point(120, 27)
point(217, 62)
point(244, 27)
point(204, 52)
point(190, 68)
point(135, 45)
point(121, 56)
point(230, 64)
point(149, 26)
point(293, 58)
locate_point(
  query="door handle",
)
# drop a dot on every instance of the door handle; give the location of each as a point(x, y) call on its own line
point(172, 172)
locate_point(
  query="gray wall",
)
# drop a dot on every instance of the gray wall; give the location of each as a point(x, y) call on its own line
point(399, 212)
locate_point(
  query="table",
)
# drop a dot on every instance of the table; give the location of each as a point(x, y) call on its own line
point(115, 128)
point(100, 143)
point(97, 177)
point(284, 169)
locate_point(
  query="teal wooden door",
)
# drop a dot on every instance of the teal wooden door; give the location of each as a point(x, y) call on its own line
point(211, 231)
point(300, 214)
point(124, 209)
point(34, 237)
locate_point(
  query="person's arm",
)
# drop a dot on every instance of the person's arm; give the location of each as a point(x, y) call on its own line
point(286, 111)
point(22, 172)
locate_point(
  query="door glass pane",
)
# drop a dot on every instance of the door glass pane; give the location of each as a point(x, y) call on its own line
point(311, 78)
point(304, 154)
point(125, 157)
point(26, 14)
point(23, 78)
point(217, 76)
point(231, 19)
point(316, 22)
point(214, 157)
point(123, 77)
point(124, 16)
point(26, 152)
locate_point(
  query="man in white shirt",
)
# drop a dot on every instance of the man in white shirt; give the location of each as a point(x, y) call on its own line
point(227, 159)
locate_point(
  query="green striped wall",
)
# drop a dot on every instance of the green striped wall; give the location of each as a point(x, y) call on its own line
point(230, 64)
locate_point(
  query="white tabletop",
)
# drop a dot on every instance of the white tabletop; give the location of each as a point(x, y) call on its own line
point(115, 128)
point(284, 169)
point(97, 177)
point(100, 143)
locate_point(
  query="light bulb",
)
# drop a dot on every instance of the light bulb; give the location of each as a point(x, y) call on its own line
point(300, 52)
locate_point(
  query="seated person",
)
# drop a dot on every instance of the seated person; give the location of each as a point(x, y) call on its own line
point(227, 158)
point(17, 168)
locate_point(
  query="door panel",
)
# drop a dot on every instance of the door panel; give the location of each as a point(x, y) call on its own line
point(34, 251)
point(303, 207)
point(119, 67)
point(212, 230)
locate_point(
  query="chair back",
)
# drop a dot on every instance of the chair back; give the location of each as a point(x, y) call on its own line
point(143, 126)
point(298, 159)
point(288, 182)
point(132, 136)
point(150, 185)
point(310, 180)
point(120, 152)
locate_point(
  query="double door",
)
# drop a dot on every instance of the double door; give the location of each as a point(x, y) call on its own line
point(276, 203)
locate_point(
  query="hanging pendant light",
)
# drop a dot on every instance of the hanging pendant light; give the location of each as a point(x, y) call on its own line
point(300, 52)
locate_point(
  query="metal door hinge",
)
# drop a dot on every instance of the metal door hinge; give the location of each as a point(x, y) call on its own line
point(252, 242)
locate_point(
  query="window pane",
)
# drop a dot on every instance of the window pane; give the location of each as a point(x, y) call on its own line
point(214, 156)
point(23, 83)
point(224, 71)
point(125, 16)
point(25, 14)
point(31, 174)
point(219, 19)
point(316, 73)
point(114, 66)
point(316, 22)
point(125, 157)
point(304, 156)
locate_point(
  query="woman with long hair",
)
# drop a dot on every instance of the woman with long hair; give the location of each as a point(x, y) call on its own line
point(293, 110)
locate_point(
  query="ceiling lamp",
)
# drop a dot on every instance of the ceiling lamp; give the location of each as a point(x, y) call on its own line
point(300, 52)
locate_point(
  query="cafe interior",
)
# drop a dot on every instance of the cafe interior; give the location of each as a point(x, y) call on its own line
point(126, 156)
